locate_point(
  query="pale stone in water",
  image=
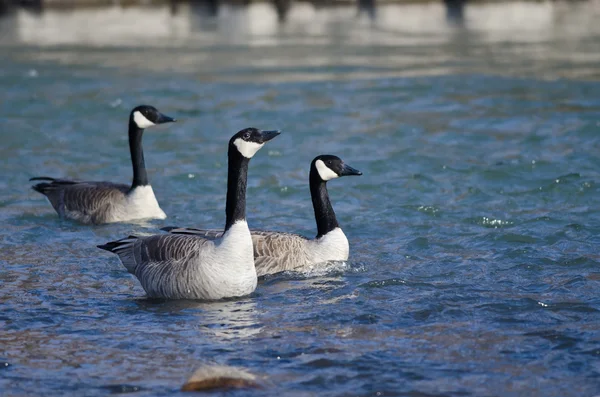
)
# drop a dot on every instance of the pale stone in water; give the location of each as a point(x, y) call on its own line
point(210, 377)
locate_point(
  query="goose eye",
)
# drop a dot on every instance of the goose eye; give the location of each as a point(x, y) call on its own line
point(329, 162)
point(247, 135)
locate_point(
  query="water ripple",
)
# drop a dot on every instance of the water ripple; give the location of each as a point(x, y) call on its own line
point(473, 231)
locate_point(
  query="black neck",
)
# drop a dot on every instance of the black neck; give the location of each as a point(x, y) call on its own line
point(237, 177)
point(324, 215)
point(140, 178)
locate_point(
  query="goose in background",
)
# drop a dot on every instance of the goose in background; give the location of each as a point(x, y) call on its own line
point(106, 202)
point(173, 266)
point(276, 252)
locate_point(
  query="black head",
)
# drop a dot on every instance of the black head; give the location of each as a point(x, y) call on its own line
point(145, 116)
point(329, 167)
point(249, 140)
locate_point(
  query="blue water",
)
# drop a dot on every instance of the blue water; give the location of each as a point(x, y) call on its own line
point(474, 230)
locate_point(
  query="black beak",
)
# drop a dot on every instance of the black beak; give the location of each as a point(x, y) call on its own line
point(347, 170)
point(164, 119)
point(268, 135)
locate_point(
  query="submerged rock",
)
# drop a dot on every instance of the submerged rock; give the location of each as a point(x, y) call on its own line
point(210, 377)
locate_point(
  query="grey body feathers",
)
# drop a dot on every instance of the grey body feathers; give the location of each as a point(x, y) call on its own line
point(87, 202)
point(276, 252)
point(176, 266)
point(99, 202)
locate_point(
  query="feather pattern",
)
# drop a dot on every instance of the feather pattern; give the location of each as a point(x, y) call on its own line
point(276, 252)
point(176, 266)
point(100, 202)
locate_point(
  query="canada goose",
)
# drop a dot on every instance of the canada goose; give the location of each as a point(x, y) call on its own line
point(276, 252)
point(191, 267)
point(105, 202)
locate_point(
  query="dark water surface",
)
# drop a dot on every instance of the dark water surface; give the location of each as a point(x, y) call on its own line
point(474, 230)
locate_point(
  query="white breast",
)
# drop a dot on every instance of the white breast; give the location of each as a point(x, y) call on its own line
point(141, 203)
point(331, 247)
point(228, 269)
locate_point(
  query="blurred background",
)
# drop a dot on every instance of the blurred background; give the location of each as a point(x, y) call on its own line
point(287, 40)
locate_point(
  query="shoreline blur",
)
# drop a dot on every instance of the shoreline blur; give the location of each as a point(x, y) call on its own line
point(545, 40)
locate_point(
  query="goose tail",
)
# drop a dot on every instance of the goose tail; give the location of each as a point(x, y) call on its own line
point(125, 249)
point(42, 187)
point(50, 184)
point(42, 178)
point(118, 245)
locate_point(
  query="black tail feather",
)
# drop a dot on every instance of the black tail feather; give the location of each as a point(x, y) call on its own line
point(41, 187)
point(111, 246)
point(53, 183)
point(42, 178)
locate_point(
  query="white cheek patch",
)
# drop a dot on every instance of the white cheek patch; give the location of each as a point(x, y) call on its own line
point(141, 120)
point(247, 149)
point(325, 172)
